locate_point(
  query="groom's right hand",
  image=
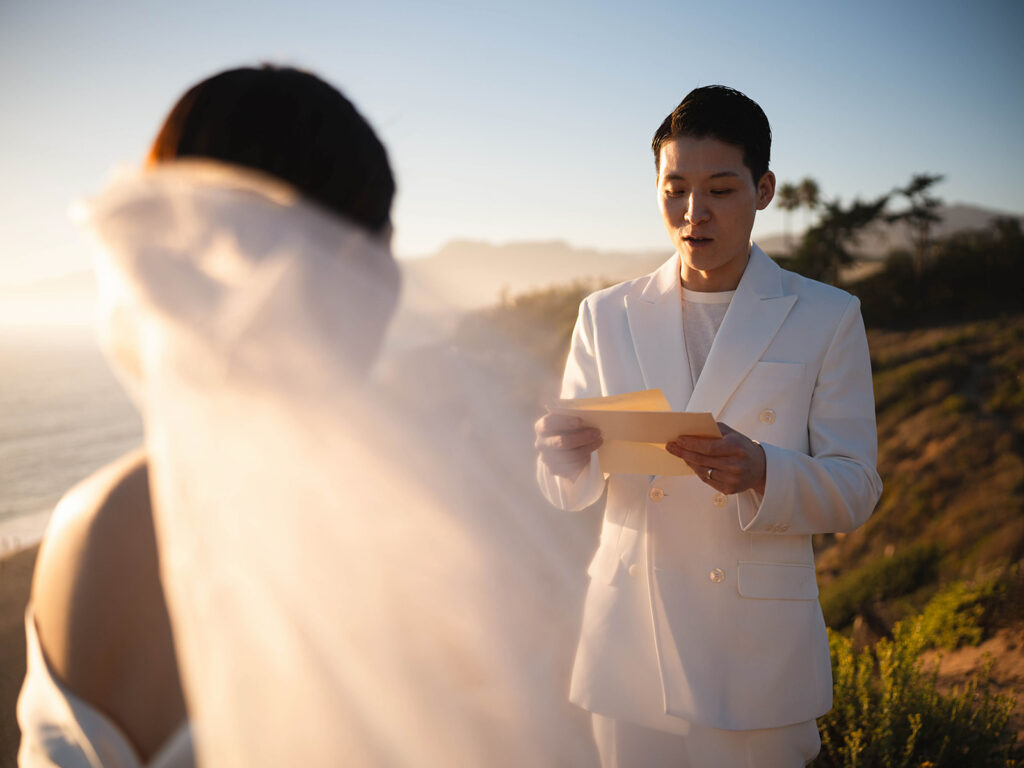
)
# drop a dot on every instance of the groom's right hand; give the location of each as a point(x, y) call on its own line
point(565, 444)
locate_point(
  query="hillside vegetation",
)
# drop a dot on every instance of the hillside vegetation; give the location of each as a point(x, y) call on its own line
point(950, 415)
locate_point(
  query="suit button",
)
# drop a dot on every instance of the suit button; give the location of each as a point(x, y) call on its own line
point(718, 499)
point(767, 416)
point(634, 570)
point(657, 494)
point(717, 575)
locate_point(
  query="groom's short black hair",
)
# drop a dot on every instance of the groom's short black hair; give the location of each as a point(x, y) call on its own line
point(292, 125)
point(719, 112)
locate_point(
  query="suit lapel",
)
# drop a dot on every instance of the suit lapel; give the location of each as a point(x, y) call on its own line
point(754, 317)
point(655, 317)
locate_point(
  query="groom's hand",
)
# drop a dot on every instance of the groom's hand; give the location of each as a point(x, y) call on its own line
point(565, 444)
point(736, 462)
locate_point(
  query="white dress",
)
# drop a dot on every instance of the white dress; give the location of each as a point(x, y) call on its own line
point(60, 729)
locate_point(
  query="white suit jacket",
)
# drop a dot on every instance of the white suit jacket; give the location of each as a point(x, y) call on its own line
point(739, 638)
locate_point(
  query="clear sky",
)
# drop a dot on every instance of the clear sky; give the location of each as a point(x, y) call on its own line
point(521, 120)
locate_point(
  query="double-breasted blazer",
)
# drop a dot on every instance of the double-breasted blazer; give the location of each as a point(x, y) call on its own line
point(740, 642)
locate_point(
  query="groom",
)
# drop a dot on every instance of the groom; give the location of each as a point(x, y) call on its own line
point(703, 643)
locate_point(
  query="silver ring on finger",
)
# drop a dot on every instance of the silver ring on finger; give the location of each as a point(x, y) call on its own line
point(708, 473)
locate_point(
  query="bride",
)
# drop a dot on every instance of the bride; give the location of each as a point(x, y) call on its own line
point(340, 579)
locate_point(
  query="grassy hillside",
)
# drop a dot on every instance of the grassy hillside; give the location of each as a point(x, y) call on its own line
point(950, 407)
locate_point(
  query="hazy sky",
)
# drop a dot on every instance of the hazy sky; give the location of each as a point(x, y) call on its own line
point(521, 120)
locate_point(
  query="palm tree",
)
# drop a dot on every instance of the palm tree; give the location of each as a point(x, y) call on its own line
point(789, 201)
point(809, 194)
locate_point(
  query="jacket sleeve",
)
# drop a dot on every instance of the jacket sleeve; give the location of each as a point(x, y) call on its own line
point(836, 486)
point(581, 379)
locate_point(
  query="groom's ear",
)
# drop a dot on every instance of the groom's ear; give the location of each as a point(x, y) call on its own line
point(765, 190)
point(387, 233)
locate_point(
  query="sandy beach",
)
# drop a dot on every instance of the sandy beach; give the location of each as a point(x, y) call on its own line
point(15, 583)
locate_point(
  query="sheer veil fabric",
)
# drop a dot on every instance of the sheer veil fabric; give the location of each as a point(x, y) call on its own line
point(354, 577)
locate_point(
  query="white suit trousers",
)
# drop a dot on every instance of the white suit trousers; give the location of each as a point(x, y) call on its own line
point(621, 744)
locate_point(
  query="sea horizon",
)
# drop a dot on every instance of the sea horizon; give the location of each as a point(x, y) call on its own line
point(63, 415)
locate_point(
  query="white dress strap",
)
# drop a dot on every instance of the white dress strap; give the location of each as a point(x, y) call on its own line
point(60, 729)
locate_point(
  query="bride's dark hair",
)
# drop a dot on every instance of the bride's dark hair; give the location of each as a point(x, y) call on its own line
point(292, 125)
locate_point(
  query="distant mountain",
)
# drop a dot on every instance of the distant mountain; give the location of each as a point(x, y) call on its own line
point(469, 274)
point(465, 275)
point(878, 241)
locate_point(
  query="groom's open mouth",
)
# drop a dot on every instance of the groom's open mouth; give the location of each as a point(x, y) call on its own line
point(696, 242)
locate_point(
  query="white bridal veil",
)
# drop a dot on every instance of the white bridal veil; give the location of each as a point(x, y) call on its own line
point(357, 566)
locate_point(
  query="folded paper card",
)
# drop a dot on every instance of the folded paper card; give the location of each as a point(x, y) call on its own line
point(635, 427)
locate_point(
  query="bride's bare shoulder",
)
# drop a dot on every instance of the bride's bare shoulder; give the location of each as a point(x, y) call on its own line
point(99, 605)
point(97, 568)
point(100, 529)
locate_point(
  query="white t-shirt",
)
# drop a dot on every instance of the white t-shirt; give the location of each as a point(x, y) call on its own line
point(703, 313)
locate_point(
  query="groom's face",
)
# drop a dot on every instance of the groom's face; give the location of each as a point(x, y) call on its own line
point(707, 200)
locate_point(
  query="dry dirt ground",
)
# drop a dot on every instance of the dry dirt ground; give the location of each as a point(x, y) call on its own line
point(1005, 649)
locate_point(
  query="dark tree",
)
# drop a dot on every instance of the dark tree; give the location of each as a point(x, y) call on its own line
point(919, 215)
point(825, 248)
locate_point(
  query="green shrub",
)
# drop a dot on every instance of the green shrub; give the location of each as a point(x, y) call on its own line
point(889, 710)
point(953, 616)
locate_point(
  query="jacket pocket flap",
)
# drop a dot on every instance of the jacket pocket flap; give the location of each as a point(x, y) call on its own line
point(777, 581)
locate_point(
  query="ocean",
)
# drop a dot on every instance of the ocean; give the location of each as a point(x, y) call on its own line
point(62, 415)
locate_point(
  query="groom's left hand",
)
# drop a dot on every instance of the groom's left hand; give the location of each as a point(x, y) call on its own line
point(736, 462)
